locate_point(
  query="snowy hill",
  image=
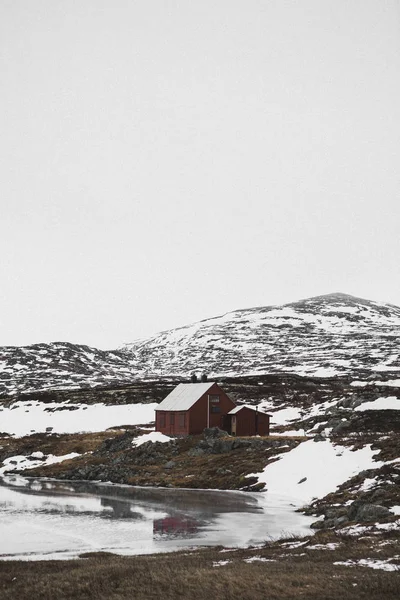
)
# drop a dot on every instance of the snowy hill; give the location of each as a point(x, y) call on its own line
point(59, 365)
point(325, 336)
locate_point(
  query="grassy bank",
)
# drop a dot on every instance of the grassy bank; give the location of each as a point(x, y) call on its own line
point(282, 570)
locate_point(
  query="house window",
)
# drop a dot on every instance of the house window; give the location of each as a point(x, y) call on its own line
point(214, 398)
point(172, 418)
point(182, 420)
point(161, 419)
point(215, 409)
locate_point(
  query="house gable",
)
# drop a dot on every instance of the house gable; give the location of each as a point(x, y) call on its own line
point(207, 412)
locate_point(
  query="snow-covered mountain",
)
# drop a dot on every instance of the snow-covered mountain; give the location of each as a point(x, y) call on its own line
point(324, 336)
point(60, 365)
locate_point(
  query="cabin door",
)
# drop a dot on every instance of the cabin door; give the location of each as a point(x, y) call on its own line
point(233, 425)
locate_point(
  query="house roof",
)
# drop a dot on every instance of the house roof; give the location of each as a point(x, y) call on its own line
point(184, 396)
point(238, 408)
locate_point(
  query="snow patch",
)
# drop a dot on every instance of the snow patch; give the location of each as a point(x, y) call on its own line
point(21, 463)
point(258, 559)
point(322, 467)
point(389, 403)
point(21, 418)
point(154, 436)
point(384, 565)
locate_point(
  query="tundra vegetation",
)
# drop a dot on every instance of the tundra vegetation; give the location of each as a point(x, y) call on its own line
point(327, 566)
point(353, 554)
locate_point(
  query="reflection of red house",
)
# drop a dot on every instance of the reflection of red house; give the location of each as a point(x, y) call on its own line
point(175, 526)
point(191, 407)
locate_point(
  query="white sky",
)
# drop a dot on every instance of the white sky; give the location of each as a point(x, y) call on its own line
point(164, 161)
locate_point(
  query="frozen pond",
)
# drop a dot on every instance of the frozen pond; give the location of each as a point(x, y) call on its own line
point(47, 519)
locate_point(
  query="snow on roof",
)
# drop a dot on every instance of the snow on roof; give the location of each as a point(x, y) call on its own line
point(184, 396)
point(237, 408)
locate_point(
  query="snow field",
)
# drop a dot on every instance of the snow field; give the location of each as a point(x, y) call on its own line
point(26, 418)
point(389, 403)
point(21, 462)
point(322, 467)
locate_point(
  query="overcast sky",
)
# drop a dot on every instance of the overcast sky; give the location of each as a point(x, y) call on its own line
point(165, 161)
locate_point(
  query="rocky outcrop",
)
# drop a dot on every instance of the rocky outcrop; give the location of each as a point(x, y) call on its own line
point(358, 511)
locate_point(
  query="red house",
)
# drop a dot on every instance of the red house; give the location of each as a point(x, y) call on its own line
point(247, 420)
point(191, 407)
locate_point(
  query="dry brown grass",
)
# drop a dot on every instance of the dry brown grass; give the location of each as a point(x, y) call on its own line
point(291, 574)
point(58, 444)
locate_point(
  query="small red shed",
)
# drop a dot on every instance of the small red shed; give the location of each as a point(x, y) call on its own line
point(247, 420)
point(191, 407)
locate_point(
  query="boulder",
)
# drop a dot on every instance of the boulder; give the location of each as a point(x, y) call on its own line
point(214, 432)
point(364, 512)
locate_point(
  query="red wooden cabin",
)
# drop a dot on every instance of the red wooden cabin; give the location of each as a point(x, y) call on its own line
point(247, 420)
point(191, 407)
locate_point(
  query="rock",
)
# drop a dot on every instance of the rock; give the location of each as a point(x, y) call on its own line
point(214, 432)
point(302, 480)
point(223, 471)
point(196, 451)
point(345, 403)
point(170, 464)
point(341, 427)
point(341, 521)
point(334, 512)
point(363, 512)
point(114, 444)
point(371, 512)
point(355, 401)
point(326, 524)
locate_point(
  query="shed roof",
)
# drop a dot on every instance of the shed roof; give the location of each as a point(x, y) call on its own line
point(238, 408)
point(184, 396)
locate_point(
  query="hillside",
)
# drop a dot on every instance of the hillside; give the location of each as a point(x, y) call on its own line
point(325, 336)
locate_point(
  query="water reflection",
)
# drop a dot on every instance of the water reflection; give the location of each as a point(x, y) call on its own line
point(177, 526)
point(48, 518)
point(120, 509)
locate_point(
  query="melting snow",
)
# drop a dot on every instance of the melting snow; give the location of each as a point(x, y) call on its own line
point(384, 565)
point(284, 416)
point(328, 546)
point(21, 463)
point(21, 418)
point(389, 403)
point(258, 559)
point(154, 436)
point(322, 465)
